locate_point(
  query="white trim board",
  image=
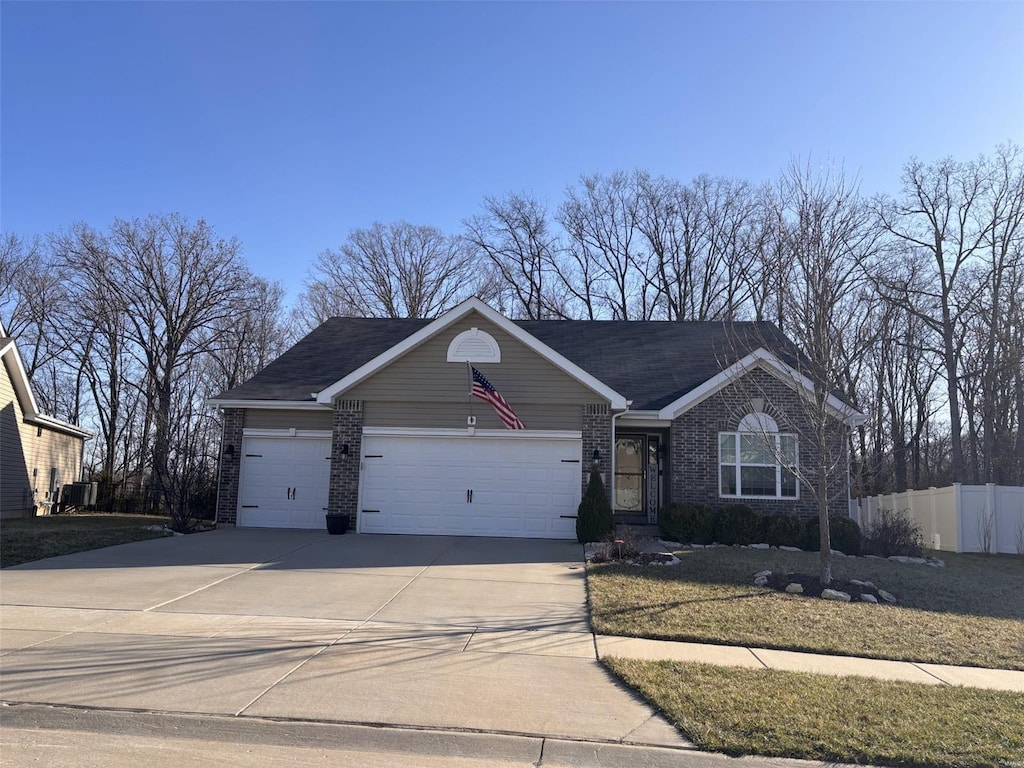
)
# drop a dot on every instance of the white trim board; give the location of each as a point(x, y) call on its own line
point(511, 434)
point(759, 358)
point(473, 304)
point(319, 434)
point(273, 405)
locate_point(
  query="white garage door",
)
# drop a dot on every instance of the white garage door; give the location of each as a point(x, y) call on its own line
point(470, 486)
point(284, 482)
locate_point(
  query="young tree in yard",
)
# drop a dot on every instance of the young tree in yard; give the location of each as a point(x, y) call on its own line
point(823, 228)
point(390, 270)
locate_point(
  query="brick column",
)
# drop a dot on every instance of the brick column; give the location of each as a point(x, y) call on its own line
point(343, 496)
point(597, 433)
point(227, 487)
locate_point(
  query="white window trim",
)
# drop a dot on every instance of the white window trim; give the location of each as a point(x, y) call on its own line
point(738, 466)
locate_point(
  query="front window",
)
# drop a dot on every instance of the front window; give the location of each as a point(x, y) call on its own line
point(757, 464)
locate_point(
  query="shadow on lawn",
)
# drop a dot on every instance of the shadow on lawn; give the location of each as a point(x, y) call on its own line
point(969, 585)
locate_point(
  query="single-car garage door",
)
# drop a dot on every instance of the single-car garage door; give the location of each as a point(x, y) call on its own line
point(470, 485)
point(284, 482)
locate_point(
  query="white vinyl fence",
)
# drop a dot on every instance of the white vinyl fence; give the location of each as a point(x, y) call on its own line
point(958, 518)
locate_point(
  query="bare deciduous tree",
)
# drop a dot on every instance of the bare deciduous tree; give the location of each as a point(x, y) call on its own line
point(515, 236)
point(390, 270)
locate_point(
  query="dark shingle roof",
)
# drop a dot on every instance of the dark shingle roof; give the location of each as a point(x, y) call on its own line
point(650, 363)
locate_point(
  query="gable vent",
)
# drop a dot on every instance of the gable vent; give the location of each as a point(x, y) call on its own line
point(474, 346)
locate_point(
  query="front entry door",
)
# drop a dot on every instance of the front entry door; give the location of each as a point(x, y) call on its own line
point(638, 475)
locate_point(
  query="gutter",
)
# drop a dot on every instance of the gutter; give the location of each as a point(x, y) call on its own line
point(611, 480)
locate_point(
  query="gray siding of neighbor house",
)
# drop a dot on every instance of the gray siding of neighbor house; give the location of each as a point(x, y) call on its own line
point(261, 418)
point(422, 389)
point(694, 446)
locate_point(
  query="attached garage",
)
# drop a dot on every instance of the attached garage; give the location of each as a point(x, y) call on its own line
point(284, 481)
point(515, 484)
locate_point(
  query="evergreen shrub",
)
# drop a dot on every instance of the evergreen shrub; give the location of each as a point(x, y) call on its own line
point(594, 518)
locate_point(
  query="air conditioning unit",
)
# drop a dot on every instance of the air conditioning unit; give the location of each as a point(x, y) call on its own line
point(81, 494)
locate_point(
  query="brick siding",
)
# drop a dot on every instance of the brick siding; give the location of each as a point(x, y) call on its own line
point(227, 487)
point(343, 495)
point(694, 446)
point(597, 433)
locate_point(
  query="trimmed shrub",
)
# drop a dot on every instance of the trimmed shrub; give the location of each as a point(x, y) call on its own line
point(688, 523)
point(737, 524)
point(594, 518)
point(784, 531)
point(844, 534)
point(894, 533)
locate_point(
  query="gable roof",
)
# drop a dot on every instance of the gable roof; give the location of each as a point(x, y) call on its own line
point(654, 364)
point(23, 390)
point(434, 327)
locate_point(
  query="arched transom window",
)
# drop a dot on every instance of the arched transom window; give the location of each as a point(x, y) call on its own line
point(757, 460)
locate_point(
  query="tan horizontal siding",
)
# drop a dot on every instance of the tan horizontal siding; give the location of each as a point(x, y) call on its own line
point(15, 497)
point(453, 415)
point(29, 452)
point(260, 418)
point(424, 375)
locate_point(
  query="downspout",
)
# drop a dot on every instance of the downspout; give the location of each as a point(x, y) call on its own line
point(611, 480)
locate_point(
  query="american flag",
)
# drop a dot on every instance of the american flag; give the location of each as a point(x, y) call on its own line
point(483, 389)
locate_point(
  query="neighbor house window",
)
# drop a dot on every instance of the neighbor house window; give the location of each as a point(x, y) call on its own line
point(757, 460)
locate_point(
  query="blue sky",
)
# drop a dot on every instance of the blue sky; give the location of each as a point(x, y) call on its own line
point(289, 124)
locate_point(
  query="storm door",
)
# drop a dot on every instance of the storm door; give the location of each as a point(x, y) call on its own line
point(638, 475)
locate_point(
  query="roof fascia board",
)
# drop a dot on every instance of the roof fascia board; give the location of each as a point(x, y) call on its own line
point(641, 419)
point(447, 319)
point(61, 426)
point(277, 405)
point(22, 388)
point(762, 358)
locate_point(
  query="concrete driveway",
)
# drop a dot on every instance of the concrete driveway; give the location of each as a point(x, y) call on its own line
point(486, 635)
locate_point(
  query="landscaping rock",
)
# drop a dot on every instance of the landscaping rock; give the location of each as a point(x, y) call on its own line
point(868, 598)
point(759, 574)
point(786, 548)
point(874, 557)
point(795, 589)
point(834, 594)
point(934, 562)
point(837, 553)
point(671, 544)
point(697, 546)
point(760, 546)
point(761, 581)
point(905, 559)
point(864, 584)
point(887, 596)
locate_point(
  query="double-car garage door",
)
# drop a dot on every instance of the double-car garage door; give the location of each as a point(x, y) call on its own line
point(518, 486)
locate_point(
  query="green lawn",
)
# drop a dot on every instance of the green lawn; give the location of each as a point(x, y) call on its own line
point(833, 719)
point(971, 612)
point(33, 538)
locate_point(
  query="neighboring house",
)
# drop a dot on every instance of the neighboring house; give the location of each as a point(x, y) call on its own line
point(373, 417)
point(38, 454)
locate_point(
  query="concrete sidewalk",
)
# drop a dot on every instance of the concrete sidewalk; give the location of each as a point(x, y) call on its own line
point(816, 663)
